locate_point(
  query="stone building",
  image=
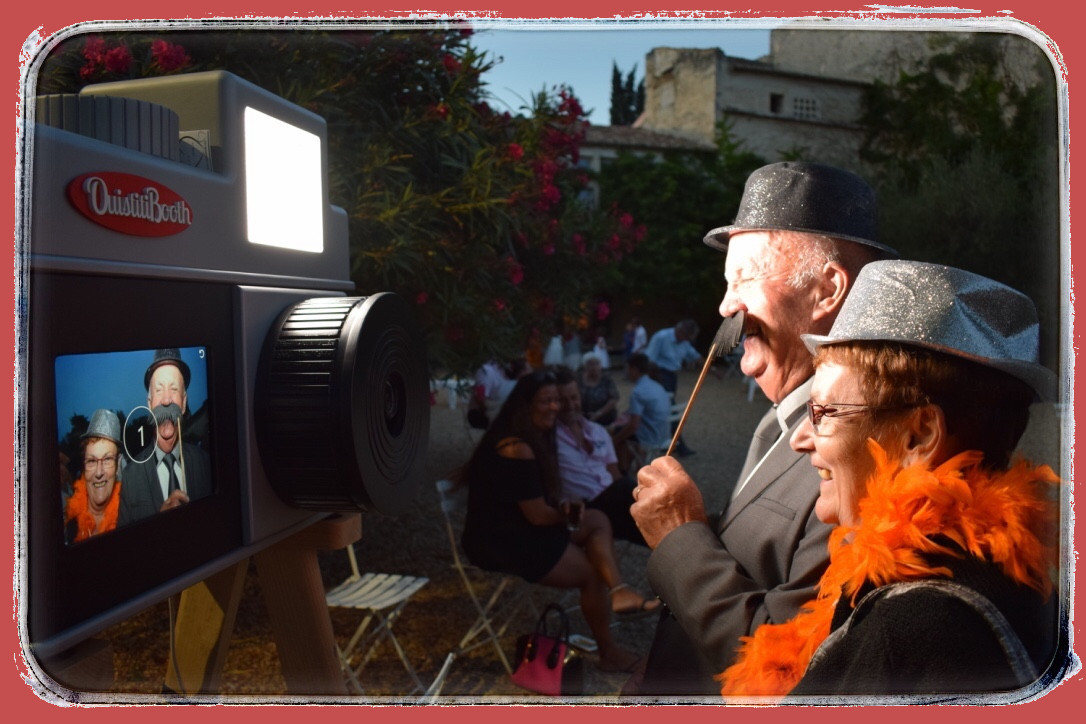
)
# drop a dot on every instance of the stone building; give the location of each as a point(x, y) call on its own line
point(800, 101)
point(774, 113)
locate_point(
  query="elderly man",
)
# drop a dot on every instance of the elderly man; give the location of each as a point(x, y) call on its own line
point(587, 464)
point(802, 234)
point(170, 472)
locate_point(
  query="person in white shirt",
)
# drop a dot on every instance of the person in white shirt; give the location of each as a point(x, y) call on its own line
point(587, 464)
point(493, 383)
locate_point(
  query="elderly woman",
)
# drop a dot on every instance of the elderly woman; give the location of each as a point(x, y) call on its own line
point(96, 495)
point(599, 393)
point(516, 523)
point(942, 558)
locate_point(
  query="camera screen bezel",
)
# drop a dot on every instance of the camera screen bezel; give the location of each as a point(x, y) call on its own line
point(88, 586)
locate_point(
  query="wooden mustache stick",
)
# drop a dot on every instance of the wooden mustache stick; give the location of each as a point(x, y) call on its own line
point(726, 339)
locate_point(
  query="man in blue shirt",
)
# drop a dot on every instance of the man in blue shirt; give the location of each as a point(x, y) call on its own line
point(646, 420)
point(670, 349)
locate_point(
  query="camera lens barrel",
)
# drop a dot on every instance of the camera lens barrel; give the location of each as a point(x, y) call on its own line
point(342, 413)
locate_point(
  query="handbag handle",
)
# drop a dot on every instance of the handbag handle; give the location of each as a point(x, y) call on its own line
point(542, 628)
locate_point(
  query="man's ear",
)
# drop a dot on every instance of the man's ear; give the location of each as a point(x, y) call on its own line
point(831, 290)
point(926, 438)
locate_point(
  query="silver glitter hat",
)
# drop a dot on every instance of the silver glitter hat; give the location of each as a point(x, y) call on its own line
point(947, 310)
point(808, 197)
point(104, 423)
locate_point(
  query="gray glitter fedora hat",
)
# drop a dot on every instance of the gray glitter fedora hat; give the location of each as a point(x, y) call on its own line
point(168, 356)
point(947, 310)
point(809, 197)
point(104, 423)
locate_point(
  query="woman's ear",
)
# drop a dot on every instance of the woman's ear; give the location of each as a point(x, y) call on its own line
point(831, 290)
point(927, 439)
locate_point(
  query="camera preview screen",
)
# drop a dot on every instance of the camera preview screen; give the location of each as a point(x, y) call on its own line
point(134, 438)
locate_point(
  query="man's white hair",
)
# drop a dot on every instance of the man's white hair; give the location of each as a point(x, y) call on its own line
point(807, 253)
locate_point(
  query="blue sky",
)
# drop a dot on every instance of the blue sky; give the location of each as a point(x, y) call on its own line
point(581, 55)
point(114, 381)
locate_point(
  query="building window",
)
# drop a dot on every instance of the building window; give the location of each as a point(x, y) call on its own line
point(776, 101)
point(805, 109)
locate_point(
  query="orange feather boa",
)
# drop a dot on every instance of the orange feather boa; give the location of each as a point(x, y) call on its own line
point(1003, 517)
point(86, 525)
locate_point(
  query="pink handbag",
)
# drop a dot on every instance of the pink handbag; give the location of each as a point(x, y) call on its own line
point(546, 663)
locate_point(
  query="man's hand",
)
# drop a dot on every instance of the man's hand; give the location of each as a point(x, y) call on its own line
point(176, 498)
point(664, 499)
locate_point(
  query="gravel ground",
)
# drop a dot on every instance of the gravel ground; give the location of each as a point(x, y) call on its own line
point(718, 428)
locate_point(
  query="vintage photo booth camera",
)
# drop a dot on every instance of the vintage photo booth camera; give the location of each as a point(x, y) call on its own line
point(191, 214)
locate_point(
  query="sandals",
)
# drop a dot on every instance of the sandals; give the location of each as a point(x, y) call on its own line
point(647, 607)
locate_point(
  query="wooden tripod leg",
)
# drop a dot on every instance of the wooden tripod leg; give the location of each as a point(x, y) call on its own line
point(294, 593)
point(205, 621)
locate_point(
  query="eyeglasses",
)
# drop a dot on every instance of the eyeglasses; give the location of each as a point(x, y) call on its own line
point(815, 413)
point(108, 462)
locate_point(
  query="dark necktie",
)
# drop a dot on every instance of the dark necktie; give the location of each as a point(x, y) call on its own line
point(767, 432)
point(174, 484)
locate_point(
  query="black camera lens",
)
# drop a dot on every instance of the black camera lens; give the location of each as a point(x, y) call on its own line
point(343, 413)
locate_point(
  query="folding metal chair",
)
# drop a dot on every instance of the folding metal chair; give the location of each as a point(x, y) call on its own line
point(381, 597)
point(510, 593)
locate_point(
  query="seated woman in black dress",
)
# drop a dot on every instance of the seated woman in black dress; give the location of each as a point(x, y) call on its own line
point(515, 523)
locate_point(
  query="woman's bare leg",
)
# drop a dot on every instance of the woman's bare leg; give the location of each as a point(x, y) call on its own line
point(574, 570)
point(594, 535)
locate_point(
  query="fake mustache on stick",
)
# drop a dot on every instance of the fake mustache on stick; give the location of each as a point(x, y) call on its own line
point(167, 413)
point(726, 339)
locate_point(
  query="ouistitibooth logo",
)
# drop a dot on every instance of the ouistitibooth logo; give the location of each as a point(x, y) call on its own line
point(130, 204)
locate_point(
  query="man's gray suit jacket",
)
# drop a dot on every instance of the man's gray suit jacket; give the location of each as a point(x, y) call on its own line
point(141, 491)
point(762, 561)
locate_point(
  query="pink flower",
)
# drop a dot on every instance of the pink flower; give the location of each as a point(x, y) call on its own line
point(515, 151)
point(94, 48)
point(625, 221)
point(422, 298)
point(450, 62)
point(614, 243)
point(516, 273)
point(548, 249)
point(118, 59)
point(551, 195)
point(500, 305)
point(169, 56)
point(441, 110)
point(579, 245)
point(603, 311)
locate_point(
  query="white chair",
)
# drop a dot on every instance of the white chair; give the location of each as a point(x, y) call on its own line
point(434, 690)
point(381, 598)
point(509, 596)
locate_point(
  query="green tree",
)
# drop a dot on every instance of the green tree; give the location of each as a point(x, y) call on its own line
point(964, 154)
point(627, 99)
point(475, 217)
point(678, 197)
